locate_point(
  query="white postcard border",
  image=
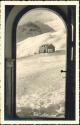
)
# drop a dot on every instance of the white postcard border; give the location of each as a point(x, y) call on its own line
point(3, 3)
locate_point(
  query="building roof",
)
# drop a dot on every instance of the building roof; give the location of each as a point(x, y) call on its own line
point(50, 46)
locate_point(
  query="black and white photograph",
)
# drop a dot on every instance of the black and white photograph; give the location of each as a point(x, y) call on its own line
point(40, 62)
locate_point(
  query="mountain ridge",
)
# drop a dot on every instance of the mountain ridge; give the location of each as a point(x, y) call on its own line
point(32, 29)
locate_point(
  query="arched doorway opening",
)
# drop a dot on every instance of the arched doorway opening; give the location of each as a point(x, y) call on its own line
point(40, 85)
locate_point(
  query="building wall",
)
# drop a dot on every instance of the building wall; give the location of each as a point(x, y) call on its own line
point(50, 50)
point(41, 49)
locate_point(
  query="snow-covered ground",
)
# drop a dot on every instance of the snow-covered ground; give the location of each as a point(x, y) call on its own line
point(31, 45)
point(41, 85)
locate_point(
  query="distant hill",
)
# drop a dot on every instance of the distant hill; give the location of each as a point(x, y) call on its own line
point(31, 45)
point(32, 29)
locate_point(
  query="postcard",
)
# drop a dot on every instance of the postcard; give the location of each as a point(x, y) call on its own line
point(40, 62)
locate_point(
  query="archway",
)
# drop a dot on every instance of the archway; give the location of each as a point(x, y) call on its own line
point(40, 85)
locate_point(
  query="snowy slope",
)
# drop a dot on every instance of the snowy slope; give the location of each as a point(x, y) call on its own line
point(40, 85)
point(31, 45)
